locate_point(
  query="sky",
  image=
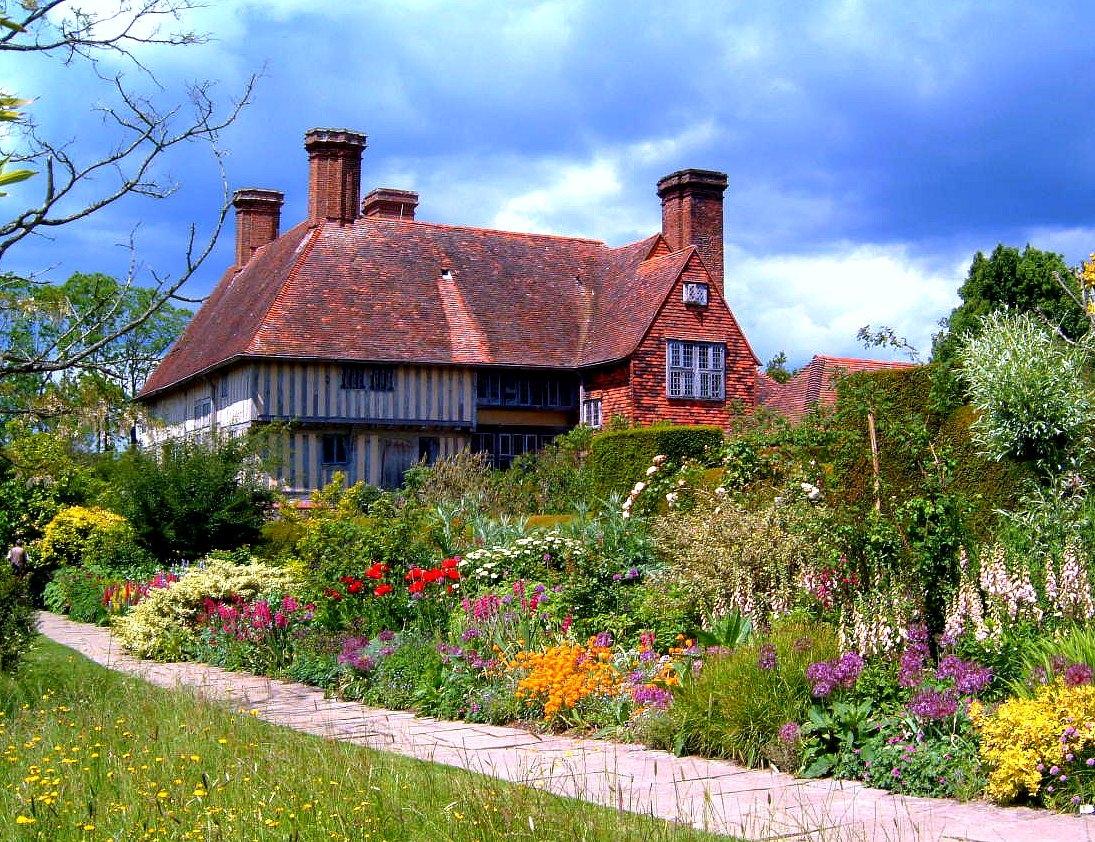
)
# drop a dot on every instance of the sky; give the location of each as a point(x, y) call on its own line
point(872, 147)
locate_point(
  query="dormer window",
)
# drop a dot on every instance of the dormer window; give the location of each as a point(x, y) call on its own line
point(695, 294)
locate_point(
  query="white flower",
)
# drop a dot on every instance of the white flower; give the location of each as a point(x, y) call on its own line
point(812, 492)
point(721, 491)
point(639, 486)
point(653, 469)
point(671, 498)
point(659, 459)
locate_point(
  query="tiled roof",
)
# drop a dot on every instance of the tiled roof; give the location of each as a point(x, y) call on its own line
point(815, 384)
point(375, 291)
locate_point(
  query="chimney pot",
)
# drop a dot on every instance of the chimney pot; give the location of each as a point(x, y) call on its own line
point(258, 218)
point(390, 203)
point(334, 174)
point(692, 214)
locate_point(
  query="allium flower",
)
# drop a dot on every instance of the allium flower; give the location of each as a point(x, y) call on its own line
point(651, 696)
point(969, 678)
point(931, 704)
point(789, 733)
point(1078, 674)
point(766, 659)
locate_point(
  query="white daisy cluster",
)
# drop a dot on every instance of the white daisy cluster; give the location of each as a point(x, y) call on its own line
point(549, 549)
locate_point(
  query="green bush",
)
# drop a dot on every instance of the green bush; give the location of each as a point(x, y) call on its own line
point(16, 620)
point(77, 593)
point(619, 458)
point(192, 498)
point(736, 704)
point(1029, 389)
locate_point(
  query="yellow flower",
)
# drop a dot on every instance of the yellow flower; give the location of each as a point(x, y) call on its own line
point(25, 820)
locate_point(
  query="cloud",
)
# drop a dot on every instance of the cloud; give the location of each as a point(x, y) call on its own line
point(816, 302)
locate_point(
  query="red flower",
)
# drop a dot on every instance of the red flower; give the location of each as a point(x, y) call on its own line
point(356, 586)
point(381, 590)
point(333, 593)
point(377, 570)
point(453, 574)
point(414, 574)
point(450, 563)
point(417, 587)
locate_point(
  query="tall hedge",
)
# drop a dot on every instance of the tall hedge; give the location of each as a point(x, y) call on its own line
point(619, 458)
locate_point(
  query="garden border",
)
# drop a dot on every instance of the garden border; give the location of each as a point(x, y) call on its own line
point(717, 796)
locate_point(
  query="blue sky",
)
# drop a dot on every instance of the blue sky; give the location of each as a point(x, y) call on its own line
point(872, 148)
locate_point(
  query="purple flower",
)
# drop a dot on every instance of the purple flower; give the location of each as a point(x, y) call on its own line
point(647, 655)
point(603, 640)
point(827, 676)
point(766, 659)
point(386, 636)
point(931, 704)
point(969, 678)
point(1090, 761)
point(911, 669)
point(469, 634)
point(789, 733)
point(1078, 674)
point(1055, 770)
point(651, 696)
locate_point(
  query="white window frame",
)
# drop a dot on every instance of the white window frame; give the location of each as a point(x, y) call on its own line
point(591, 412)
point(695, 370)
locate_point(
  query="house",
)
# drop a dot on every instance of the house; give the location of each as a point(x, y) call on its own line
point(381, 339)
point(815, 384)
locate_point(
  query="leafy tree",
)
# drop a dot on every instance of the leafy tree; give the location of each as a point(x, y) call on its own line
point(141, 123)
point(1027, 281)
point(777, 368)
point(192, 498)
point(45, 320)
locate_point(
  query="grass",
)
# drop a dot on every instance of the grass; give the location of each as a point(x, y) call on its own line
point(91, 754)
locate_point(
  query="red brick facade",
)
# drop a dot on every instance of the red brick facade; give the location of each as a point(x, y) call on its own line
point(334, 174)
point(636, 389)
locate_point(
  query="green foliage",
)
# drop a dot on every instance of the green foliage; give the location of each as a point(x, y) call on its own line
point(1010, 279)
point(728, 631)
point(94, 539)
point(192, 498)
point(77, 593)
point(16, 620)
point(730, 558)
point(735, 706)
point(401, 679)
point(776, 368)
point(1041, 656)
point(909, 760)
point(835, 739)
point(1029, 389)
point(619, 458)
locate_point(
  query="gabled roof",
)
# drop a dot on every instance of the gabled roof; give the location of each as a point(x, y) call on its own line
point(374, 291)
point(815, 384)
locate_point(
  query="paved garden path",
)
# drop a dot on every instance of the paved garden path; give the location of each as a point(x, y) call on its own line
point(713, 795)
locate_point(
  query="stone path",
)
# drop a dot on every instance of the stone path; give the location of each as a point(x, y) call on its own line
point(712, 795)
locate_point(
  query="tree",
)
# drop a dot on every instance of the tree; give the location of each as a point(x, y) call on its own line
point(146, 122)
point(1029, 281)
point(44, 319)
point(777, 368)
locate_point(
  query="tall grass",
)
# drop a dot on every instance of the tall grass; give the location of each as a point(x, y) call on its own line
point(90, 754)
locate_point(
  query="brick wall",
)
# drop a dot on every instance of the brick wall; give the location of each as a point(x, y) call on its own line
point(713, 323)
point(613, 387)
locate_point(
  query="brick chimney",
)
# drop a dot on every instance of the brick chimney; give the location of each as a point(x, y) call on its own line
point(692, 214)
point(258, 215)
point(334, 174)
point(389, 203)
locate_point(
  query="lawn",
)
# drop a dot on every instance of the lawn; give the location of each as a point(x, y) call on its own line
point(91, 754)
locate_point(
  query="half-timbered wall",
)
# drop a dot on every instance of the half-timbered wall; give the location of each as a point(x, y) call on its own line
point(378, 458)
point(313, 392)
point(227, 396)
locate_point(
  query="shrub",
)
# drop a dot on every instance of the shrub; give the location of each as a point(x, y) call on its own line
point(619, 458)
point(735, 706)
point(192, 498)
point(77, 593)
point(1029, 389)
point(16, 620)
point(1041, 747)
point(163, 624)
point(93, 538)
point(529, 556)
point(728, 558)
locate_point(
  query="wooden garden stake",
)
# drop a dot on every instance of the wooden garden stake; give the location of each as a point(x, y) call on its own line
point(874, 462)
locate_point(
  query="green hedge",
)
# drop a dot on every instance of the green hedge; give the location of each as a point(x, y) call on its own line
point(619, 458)
point(986, 484)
